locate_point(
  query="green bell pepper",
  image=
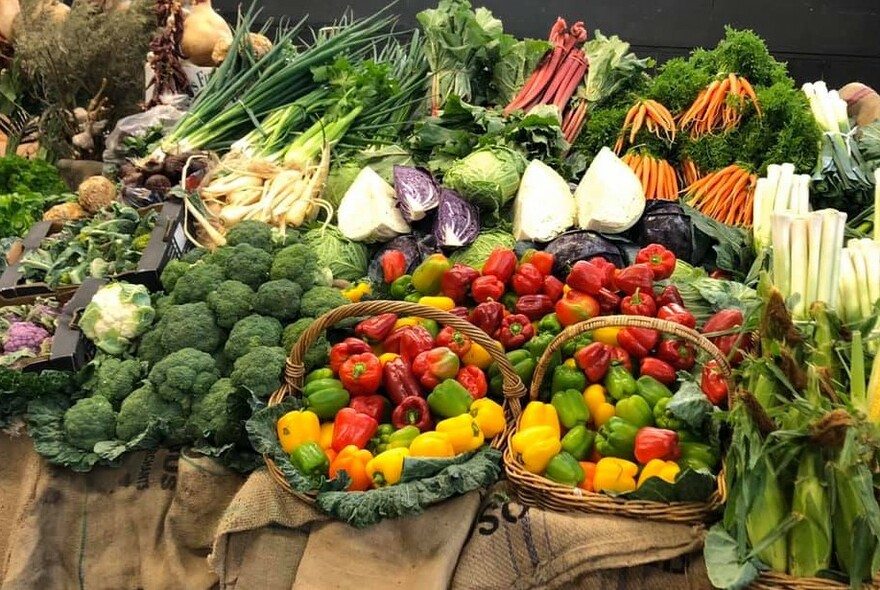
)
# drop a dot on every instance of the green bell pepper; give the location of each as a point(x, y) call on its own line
point(570, 407)
point(379, 442)
point(549, 324)
point(427, 276)
point(403, 437)
point(310, 459)
point(579, 442)
point(652, 390)
point(538, 344)
point(565, 469)
point(450, 399)
point(430, 325)
point(402, 287)
point(509, 300)
point(319, 374)
point(695, 455)
point(567, 377)
point(663, 418)
point(689, 436)
point(617, 438)
point(325, 397)
point(575, 344)
point(522, 363)
point(413, 298)
point(619, 383)
point(635, 410)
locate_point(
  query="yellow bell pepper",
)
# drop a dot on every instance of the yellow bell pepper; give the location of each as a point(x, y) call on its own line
point(603, 414)
point(477, 355)
point(440, 302)
point(606, 335)
point(387, 357)
point(431, 444)
point(298, 427)
point(326, 439)
point(565, 289)
point(570, 363)
point(665, 470)
point(386, 468)
point(463, 431)
point(357, 292)
point(408, 321)
point(615, 475)
point(600, 410)
point(535, 447)
point(489, 416)
point(540, 414)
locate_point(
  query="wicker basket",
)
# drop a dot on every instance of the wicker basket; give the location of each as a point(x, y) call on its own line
point(294, 371)
point(776, 581)
point(538, 491)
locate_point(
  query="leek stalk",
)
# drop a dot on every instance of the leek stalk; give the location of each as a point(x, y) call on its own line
point(814, 246)
point(781, 235)
point(877, 205)
point(798, 263)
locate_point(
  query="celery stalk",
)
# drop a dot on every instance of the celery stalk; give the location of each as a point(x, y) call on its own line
point(815, 246)
point(781, 235)
point(799, 261)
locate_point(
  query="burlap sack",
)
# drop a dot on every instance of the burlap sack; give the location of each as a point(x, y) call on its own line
point(148, 524)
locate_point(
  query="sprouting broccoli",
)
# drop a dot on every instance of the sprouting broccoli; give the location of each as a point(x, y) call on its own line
point(143, 407)
point(115, 379)
point(219, 415)
point(260, 370)
point(252, 331)
point(297, 263)
point(279, 299)
point(172, 272)
point(191, 325)
point(319, 300)
point(318, 353)
point(150, 348)
point(184, 375)
point(248, 264)
point(197, 282)
point(232, 301)
point(252, 232)
point(89, 421)
point(194, 255)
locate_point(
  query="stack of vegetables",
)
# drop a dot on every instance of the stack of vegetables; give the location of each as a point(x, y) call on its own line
point(26, 331)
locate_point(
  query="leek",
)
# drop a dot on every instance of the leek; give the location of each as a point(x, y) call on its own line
point(782, 251)
point(815, 245)
point(798, 263)
point(857, 386)
point(850, 309)
point(829, 263)
point(783, 189)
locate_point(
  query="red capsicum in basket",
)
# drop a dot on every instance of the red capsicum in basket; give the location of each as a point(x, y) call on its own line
point(487, 287)
point(608, 269)
point(501, 264)
point(678, 353)
point(376, 328)
point(621, 357)
point(433, 366)
point(473, 379)
point(413, 411)
point(393, 266)
point(638, 341)
point(456, 281)
point(725, 320)
point(527, 280)
point(713, 383)
point(399, 381)
point(639, 303)
point(609, 301)
point(636, 277)
point(376, 406)
point(553, 288)
point(460, 312)
point(361, 374)
point(487, 317)
point(659, 259)
point(673, 312)
point(415, 341)
point(594, 360)
point(516, 330)
point(352, 428)
point(669, 294)
point(656, 443)
point(576, 307)
point(455, 340)
point(341, 351)
point(659, 370)
point(586, 277)
point(534, 307)
point(543, 261)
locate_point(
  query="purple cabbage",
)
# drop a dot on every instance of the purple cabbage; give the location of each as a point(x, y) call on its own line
point(457, 223)
point(415, 191)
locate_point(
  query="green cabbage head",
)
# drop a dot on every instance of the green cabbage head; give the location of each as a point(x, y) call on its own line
point(116, 316)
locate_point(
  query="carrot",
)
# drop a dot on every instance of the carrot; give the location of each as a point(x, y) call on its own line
point(646, 172)
point(653, 173)
point(637, 123)
point(699, 104)
point(750, 92)
point(709, 120)
point(673, 183)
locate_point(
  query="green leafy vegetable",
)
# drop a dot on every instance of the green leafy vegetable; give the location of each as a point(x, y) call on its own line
point(347, 260)
point(476, 254)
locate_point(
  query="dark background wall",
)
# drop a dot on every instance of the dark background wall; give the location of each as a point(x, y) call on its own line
point(834, 40)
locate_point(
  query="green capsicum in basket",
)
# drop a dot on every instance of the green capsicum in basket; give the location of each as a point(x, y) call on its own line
point(538, 344)
point(310, 459)
point(696, 456)
point(652, 390)
point(523, 364)
point(619, 383)
point(319, 374)
point(575, 344)
point(564, 468)
point(579, 442)
point(635, 410)
point(401, 287)
point(549, 324)
point(570, 407)
point(617, 438)
point(403, 437)
point(450, 399)
point(427, 276)
point(379, 442)
point(663, 418)
point(568, 376)
point(325, 397)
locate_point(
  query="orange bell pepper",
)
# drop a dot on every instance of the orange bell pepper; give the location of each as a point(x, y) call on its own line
point(353, 461)
point(589, 472)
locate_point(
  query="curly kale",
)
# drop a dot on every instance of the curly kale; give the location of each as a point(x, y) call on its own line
point(231, 302)
point(219, 416)
point(191, 325)
point(260, 370)
point(247, 264)
point(318, 353)
point(184, 375)
point(251, 332)
point(172, 272)
point(115, 379)
point(297, 263)
point(89, 421)
point(319, 300)
point(144, 407)
point(278, 299)
point(254, 233)
point(197, 282)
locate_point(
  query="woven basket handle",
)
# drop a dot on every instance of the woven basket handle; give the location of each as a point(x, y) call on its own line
point(294, 371)
point(629, 321)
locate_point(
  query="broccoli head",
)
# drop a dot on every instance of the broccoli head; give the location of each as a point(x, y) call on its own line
point(143, 407)
point(319, 300)
point(278, 299)
point(318, 353)
point(115, 379)
point(191, 325)
point(194, 255)
point(162, 304)
point(231, 302)
point(197, 282)
point(297, 263)
point(184, 375)
point(289, 237)
point(248, 264)
point(172, 272)
point(150, 349)
point(260, 370)
point(252, 232)
point(89, 421)
point(252, 331)
point(219, 416)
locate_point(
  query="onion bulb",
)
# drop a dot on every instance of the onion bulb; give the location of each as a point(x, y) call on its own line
point(9, 10)
point(202, 29)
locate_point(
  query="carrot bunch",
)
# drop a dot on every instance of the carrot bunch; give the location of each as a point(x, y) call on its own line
point(657, 176)
point(727, 195)
point(689, 172)
point(650, 114)
point(719, 106)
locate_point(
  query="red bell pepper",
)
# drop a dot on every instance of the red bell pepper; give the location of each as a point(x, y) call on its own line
point(487, 287)
point(393, 266)
point(413, 342)
point(352, 428)
point(543, 261)
point(487, 317)
point(669, 294)
point(594, 360)
point(660, 259)
point(576, 307)
point(638, 341)
point(674, 312)
point(678, 353)
point(639, 303)
point(516, 330)
point(377, 328)
point(341, 351)
point(472, 378)
point(608, 269)
point(413, 411)
point(456, 281)
point(713, 383)
point(729, 344)
point(501, 264)
point(527, 280)
point(553, 288)
point(435, 365)
point(376, 407)
point(585, 277)
point(361, 374)
point(659, 370)
point(609, 302)
point(636, 277)
point(460, 312)
point(399, 381)
point(656, 443)
point(534, 307)
point(456, 341)
point(621, 357)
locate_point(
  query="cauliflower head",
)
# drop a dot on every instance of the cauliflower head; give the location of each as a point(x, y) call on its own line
point(116, 316)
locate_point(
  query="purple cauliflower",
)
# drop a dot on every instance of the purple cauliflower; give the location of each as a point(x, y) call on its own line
point(44, 312)
point(24, 336)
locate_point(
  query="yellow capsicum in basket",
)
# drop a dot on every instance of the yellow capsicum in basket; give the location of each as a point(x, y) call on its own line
point(665, 470)
point(540, 414)
point(438, 301)
point(386, 468)
point(326, 438)
point(463, 431)
point(297, 427)
point(431, 444)
point(607, 335)
point(535, 446)
point(357, 292)
point(489, 416)
point(477, 355)
point(615, 475)
point(600, 409)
